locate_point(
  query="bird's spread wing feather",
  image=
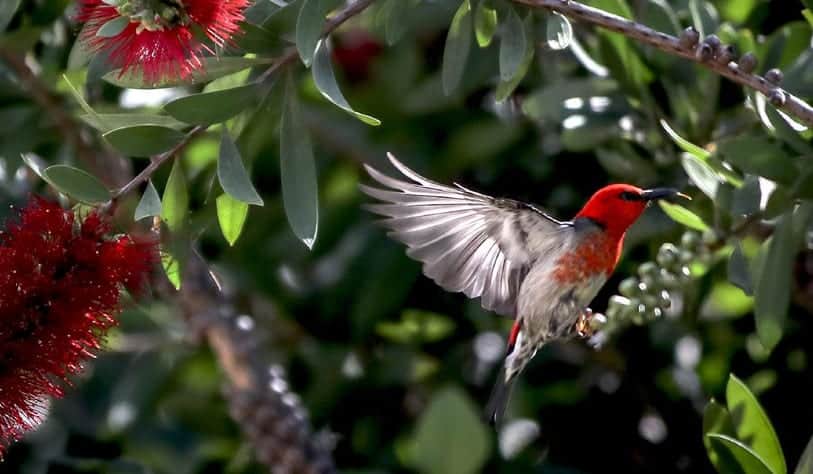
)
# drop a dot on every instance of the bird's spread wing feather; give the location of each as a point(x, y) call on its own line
point(468, 242)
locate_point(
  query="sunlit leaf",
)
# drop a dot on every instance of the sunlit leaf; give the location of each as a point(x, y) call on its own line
point(748, 460)
point(485, 22)
point(701, 174)
point(175, 203)
point(76, 183)
point(150, 203)
point(172, 268)
point(325, 81)
point(684, 144)
point(716, 419)
point(231, 215)
point(681, 215)
point(805, 465)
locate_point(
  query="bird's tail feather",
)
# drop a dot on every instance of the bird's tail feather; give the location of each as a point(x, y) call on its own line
point(497, 402)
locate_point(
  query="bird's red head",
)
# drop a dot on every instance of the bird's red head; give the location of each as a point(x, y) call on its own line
point(618, 206)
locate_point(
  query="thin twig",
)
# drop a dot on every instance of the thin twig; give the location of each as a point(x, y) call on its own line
point(107, 166)
point(670, 44)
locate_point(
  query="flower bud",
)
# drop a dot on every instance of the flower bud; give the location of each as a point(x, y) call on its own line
point(774, 76)
point(747, 63)
point(689, 37)
point(667, 254)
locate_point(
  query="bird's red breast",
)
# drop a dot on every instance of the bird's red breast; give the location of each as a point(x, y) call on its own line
point(596, 254)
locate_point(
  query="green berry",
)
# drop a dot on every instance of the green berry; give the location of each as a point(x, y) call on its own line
point(686, 256)
point(690, 240)
point(667, 254)
point(685, 274)
point(664, 299)
point(647, 269)
point(628, 287)
point(667, 278)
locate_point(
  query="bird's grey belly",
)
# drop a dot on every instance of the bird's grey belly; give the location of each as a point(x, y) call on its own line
point(549, 308)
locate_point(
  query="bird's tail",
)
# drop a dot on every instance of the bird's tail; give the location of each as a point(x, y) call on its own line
point(500, 394)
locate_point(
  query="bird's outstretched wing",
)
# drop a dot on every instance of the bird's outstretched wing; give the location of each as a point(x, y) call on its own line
point(468, 242)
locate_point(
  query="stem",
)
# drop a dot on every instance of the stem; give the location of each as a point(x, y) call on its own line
point(670, 44)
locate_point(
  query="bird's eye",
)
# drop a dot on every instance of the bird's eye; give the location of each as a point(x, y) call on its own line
point(629, 196)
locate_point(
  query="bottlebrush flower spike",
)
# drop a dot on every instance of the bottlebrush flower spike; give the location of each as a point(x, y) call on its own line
point(60, 288)
point(158, 36)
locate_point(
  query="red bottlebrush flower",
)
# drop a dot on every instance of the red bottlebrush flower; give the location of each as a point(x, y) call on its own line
point(157, 36)
point(60, 289)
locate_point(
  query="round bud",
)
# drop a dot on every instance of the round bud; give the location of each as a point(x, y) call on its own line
point(748, 62)
point(664, 299)
point(690, 240)
point(686, 256)
point(774, 76)
point(628, 287)
point(726, 54)
point(704, 52)
point(598, 321)
point(620, 301)
point(777, 97)
point(668, 279)
point(643, 288)
point(649, 300)
point(685, 274)
point(613, 311)
point(647, 269)
point(651, 281)
point(689, 37)
point(713, 41)
point(667, 254)
point(657, 313)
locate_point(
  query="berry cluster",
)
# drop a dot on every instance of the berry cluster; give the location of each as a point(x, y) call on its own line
point(648, 296)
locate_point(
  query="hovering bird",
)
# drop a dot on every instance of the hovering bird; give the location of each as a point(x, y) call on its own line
point(518, 260)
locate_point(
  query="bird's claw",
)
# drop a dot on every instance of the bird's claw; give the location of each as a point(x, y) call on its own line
point(583, 327)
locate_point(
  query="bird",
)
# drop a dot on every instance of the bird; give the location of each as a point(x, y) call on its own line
point(520, 261)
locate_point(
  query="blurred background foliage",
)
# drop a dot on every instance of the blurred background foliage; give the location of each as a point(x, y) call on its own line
point(393, 366)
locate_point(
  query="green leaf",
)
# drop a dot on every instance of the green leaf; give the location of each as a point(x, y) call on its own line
point(704, 17)
point(752, 425)
point(395, 14)
point(785, 132)
point(309, 25)
point(513, 43)
point(506, 88)
point(558, 31)
point(175, 204)
point(738, 271)
point(143, 140)
point(150, 203)
point(748, 460)
point(716, 419)
point(485, 22)
point(684, 144)
point(805, 465)
point(113, 27)
point(701, 174)
point(300, 192)
point(7, 10)
point(172, 268)
point(232, 173)
point(417, 326)
point(325, 81)
point(659, 15)
point(213, 107)
point(681, 215)
point(772, 290)
point(746, 199)
point(108, 122)
point(80, 99)
point(76, 183)
point(808, 14)
point(450, 438)
point(456, 49)
point(760, 156)
point(231, 215)
point(213, 67)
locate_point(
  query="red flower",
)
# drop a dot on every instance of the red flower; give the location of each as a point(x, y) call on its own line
point(60, 283)
point(159, 37)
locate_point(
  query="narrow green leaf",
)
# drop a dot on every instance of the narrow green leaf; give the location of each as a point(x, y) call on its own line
point(7, 10)
point(77, 184)
point(746, 200)
point(513, 44)
point(232, 173)
point(716, 419)
point(456, 49)
point(701, 174)
point(684, 144)
point(309, 29)
point(300, 192)
point(738, 271)
point(450, 438)
point(113, 27)
point(772, 291)
point(325, 81)
point(558, 31)
point(786, 132)
point(808, 14)
point(748, 460)
point(213, 67)
point(681, 215)
point(172, 268)
point(80, 99)
point(752, 425)
point(485, 23)
point(108, 122)
point(395, 19)
point(506, 88)
point(231, 215)
point(150, 203)
point(213, 107)
point(35, 163)
point(805, 465)
point(175, 203)
point(759, 155)
point(143, 140)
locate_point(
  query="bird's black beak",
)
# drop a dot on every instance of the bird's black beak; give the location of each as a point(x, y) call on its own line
point(661, 193)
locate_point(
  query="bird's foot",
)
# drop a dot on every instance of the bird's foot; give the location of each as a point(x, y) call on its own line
point(583, 327)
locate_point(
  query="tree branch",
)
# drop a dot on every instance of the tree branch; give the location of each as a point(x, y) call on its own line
point(779, 97)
